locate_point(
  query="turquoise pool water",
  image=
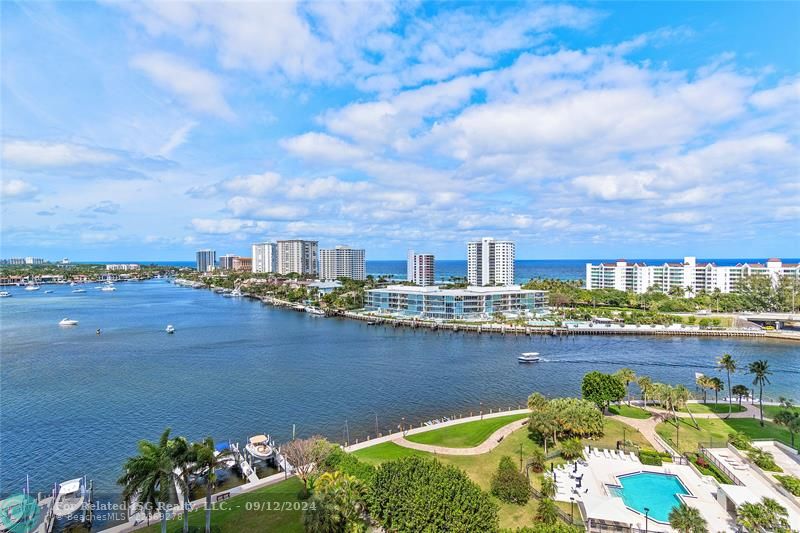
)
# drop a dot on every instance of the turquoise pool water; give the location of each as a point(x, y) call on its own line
point(657, 492)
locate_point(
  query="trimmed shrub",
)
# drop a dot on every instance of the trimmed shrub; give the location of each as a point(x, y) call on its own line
point(348, 464)
point(422, 495)
point(790, 483)
point(509, 484)
point(572, 449)
point(650, 458)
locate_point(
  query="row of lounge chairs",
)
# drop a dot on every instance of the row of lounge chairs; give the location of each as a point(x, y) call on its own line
point(610, 454)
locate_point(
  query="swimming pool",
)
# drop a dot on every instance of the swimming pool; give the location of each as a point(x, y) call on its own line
point(651, 490)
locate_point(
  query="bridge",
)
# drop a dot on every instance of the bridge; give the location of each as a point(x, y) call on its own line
point(778, 320)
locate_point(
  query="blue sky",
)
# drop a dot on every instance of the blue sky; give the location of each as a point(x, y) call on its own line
point(142, 130)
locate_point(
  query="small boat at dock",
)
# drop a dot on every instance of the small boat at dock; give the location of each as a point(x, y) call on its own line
point(314, 311)
point(260, 448)
point(70, 497)
point(68, 322)
point(529, 357)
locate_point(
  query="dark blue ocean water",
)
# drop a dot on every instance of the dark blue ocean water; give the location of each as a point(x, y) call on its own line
point(75, 403)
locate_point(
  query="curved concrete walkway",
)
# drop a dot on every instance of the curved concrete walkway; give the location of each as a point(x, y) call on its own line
point(486, 446)
point(751, 411)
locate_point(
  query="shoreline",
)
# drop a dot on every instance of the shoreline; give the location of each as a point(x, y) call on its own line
point(506, 329)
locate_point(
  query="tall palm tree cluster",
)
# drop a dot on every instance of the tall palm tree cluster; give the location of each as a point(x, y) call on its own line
point(163, 468)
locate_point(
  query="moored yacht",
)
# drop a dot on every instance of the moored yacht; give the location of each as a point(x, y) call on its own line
point(70, 497)
point(529, 357)
point(31, 286)
point(259, 447)
point(5, 294)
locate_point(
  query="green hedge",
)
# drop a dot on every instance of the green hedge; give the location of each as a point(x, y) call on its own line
point(422, 495)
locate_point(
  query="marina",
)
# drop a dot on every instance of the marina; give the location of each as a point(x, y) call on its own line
point(217, 375)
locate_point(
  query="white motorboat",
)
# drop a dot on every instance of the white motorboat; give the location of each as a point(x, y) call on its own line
point(5, 294)
point(68, 322)
point(170, 329)
point(229, 460)
point(529, 357)
point(70, 497)
point(77, 291)
point(48, 292)
point(32, 286)
point(314, 311)
point(108, 288)
point(259, 447)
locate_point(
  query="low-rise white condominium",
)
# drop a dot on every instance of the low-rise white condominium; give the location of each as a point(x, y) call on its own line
point(420, 268)
point(454, 304)
point(123, 266)
point(490, 262)
point(298, 256)
point(342, 262)
point(265, 257)
point(690, 276)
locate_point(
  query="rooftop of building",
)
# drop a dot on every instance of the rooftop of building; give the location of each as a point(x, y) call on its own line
point(472, 290)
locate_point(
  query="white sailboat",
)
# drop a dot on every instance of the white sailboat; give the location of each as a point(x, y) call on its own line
point(31, 286)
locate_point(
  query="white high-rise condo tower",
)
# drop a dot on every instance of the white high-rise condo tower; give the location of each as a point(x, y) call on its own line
point(265, 257)
point(206, 260)
point(297, 256)
point(342, 262)
point(490, 262)
point(420, 268)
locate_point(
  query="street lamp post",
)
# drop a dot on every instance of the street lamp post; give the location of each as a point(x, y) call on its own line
point(481, 410)
point(571, 510)
point(646, 519)
point(376, 424)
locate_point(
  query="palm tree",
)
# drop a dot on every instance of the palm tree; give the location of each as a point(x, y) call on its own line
point(626, 375)
point(789, 419)
point(184, 460)
point(207, 463)
point(547, 512)
point(645, 385)
point(703, 382)
point(727, 363)
point(740, 391)
point(548, 488)
point(338, 504)
point(687, 519)
point(150, 476)
point(716, 385)
point(760, 369)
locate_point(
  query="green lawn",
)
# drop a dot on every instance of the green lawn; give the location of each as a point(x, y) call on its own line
point(236, 516)
point(716, 408)
point(715, 431)
point(629, 411)
point(386, 451)
point(481, 467)
point(771, 410)
point(464, 435)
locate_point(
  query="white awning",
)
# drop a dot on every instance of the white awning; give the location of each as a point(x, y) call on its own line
point(603, 508)
point(258, 439)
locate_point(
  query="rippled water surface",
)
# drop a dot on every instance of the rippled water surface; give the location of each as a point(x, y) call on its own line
point(75, 403)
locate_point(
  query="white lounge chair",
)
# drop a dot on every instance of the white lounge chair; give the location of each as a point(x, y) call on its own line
point(607, 453)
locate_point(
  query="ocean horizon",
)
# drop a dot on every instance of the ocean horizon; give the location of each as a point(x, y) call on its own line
point(446, 269)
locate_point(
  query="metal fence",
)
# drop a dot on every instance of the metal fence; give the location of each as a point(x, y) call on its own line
point(717, 463)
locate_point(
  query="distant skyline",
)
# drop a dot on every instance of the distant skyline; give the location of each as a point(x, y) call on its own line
point(146, 131)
